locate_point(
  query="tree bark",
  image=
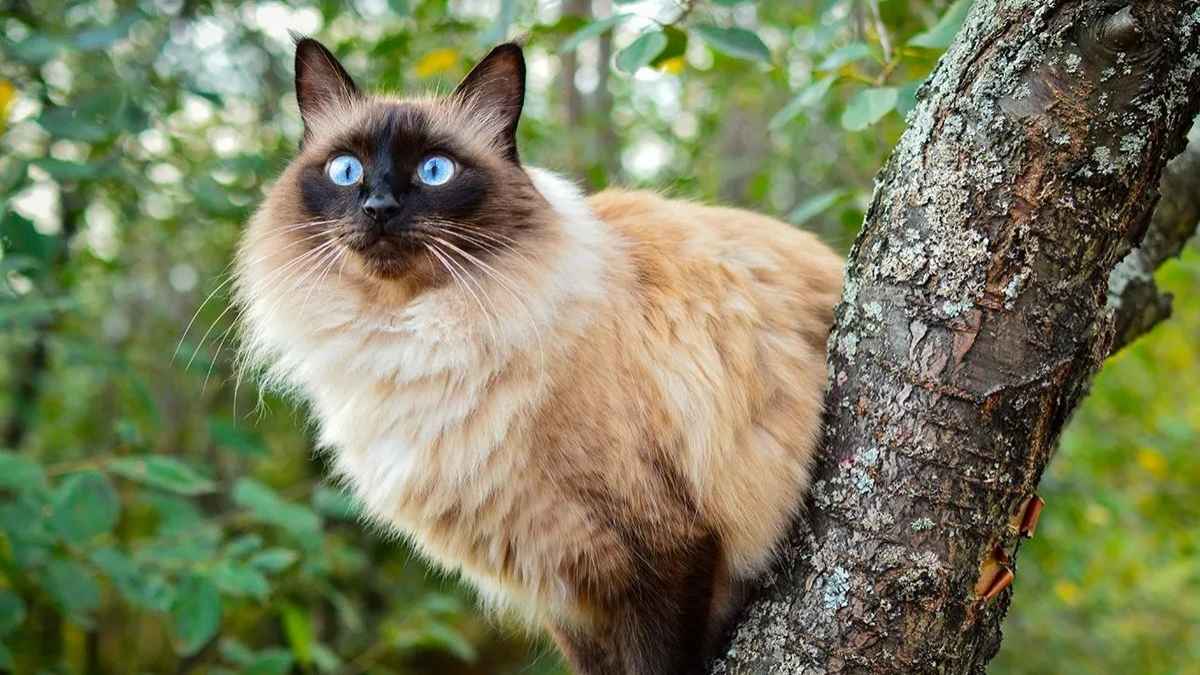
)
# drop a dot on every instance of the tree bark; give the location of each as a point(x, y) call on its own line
point(979, 301)
point(573, 102)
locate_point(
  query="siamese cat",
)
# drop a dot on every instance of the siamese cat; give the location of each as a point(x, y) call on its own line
point(600, 410)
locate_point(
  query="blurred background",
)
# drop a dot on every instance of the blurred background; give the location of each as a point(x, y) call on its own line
point(155, 517)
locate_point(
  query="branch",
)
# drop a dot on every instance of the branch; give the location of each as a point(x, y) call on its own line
point(1133, 297)
point(975, 313)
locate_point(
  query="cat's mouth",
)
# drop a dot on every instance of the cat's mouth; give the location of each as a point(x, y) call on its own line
point(384, 254)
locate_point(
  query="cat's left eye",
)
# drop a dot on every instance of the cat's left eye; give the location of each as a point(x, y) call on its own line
point(435, 170)
point(345, 170)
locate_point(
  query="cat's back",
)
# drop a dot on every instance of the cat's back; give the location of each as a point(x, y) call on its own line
point(732, 313)
point(681, 247)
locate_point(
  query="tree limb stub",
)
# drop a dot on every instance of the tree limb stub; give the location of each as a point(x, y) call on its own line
point(1133, 297)
point(974, 316)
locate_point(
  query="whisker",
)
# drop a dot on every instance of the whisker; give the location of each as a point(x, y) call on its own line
point(507, 242)
point(275, 273)
point(216, 355)
point(196, 315)
point(320, 252)
point(447, 260)
point(510, 286)
point(333, 258)
point(222, 285)
point(490, 245)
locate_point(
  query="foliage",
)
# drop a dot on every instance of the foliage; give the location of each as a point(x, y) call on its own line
point(157, 514)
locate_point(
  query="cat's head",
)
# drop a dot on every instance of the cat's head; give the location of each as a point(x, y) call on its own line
point(405, 191)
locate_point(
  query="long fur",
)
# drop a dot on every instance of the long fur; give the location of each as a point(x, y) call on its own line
point(626, 395)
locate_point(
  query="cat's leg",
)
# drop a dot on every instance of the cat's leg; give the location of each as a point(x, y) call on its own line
point(669, 624)
point(664, 623)
point(587, 651)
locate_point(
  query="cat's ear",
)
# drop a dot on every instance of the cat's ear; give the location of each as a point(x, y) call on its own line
point(321, 81)
point(496, 88)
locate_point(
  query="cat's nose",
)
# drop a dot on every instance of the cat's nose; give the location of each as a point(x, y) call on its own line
point(380, 206)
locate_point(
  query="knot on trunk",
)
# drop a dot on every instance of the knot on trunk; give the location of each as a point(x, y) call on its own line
point(1120, 31)
point(1124, 36)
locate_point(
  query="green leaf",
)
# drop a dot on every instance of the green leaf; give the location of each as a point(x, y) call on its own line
point(868, 107)
point(235, 651)
point(297, 626)
point(13, 175)
point(592, 30)
point(34, 50)
point(241, 580)
point(436, 635)
point(103, 37)
point(175, 515)
point(195, 614)
point(736, 42)
point(243, 545)
point(855, 51)
point(271, 661)
point(335, 503)
point(19, 237)
point(23, 521)
point(67, 171)
point(20, 473)
point(942, 33)
point(162, 472)
point(212, 197)
point(809, 96)
point(641, 52)
point(29, 309)
point(185, 549)
point(72, 124)
point(85, 505)
point(155, 592)
point(72, 587)
point(325, 659)
point(6, 659)
point(12, 611)
point(273, 559)
point(228, 434)
point(815, 206)
point(270, 508)
point(908, 97)
point(677, 41)
point(137, 587)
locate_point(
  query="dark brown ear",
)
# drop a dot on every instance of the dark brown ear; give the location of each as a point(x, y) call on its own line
point(496, 86)
point(321, 81)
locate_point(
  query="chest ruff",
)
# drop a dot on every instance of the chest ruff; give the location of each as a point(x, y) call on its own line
point(643, 388)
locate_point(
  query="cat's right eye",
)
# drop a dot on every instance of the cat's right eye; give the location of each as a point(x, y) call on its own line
point(345, 170)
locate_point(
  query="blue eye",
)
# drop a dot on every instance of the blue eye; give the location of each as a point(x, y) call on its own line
point(435, 170)
point(345, 170)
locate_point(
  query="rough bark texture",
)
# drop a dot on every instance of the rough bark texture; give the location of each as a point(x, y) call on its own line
point(976, 310)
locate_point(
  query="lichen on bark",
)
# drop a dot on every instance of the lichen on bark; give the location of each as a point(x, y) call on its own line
point(975, 311)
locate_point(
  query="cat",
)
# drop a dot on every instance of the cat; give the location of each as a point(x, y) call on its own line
point(601, 411)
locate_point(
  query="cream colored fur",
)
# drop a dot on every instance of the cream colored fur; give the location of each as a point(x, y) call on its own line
point(458, 416)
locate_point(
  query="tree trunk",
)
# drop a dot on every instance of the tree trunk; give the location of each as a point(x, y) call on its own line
point(573, 103)
point(976, 310)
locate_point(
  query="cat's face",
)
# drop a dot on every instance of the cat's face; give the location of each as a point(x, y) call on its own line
point(408, 191)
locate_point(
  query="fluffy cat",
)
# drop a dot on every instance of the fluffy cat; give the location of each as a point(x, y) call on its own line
point(600, 410)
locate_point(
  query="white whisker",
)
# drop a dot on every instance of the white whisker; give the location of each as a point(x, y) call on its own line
point(510, 286)
point(447, 261)
point(225, 283)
